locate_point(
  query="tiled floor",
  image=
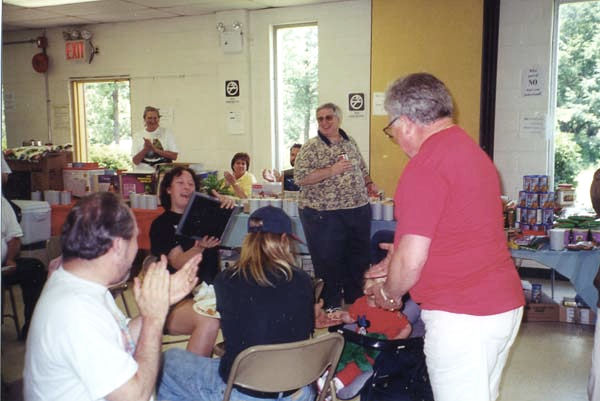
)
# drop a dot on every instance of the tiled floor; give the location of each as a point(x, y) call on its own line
point(549, 361)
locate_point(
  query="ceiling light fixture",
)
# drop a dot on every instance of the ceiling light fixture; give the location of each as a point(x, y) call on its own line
point(85, 34)
point(43, 3)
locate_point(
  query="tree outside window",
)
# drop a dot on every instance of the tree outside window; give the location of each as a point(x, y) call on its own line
point(296, 57)
point(108, 123)
point(577, 139)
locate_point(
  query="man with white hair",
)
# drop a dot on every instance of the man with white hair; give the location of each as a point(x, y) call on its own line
point(449, 248)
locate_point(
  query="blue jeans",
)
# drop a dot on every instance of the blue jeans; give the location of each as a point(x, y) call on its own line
point(338, 241)
point(187, 376)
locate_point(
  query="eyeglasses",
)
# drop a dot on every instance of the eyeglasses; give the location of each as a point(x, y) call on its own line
point(328, 118)
point(388, 128)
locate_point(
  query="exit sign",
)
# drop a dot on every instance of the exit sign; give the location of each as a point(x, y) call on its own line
point(75, 50)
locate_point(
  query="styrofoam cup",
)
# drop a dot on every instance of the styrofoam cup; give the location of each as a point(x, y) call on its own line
point(557, 238)
point(376, 210)
point(388, 211)
point(254, 204)
point(65, 197)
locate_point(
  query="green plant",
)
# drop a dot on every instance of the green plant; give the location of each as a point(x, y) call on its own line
point(567, 159)
point(108, 156)
point(213, 182)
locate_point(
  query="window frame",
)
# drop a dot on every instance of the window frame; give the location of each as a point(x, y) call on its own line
point(79, 127)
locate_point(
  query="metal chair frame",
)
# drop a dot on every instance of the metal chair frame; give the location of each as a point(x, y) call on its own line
point(288, 366)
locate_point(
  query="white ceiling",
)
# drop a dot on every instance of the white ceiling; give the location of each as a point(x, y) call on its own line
point(103, 11)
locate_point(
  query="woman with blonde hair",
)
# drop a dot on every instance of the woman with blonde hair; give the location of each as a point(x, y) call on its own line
point(262, 299)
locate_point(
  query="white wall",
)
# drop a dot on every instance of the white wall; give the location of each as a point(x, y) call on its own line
point(178, 65)
point(525, 39)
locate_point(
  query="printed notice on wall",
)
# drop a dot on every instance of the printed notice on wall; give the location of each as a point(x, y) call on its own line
point(378, 99)
point(61, 117)
point(10, 101)
point(532, 81)
point(235, 123)
point(532, 124)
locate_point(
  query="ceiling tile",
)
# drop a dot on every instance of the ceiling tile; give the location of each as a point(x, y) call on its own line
point(132, 16)
point(53, 22)
point(21, 14)
point(128, 10)
point(172, 3)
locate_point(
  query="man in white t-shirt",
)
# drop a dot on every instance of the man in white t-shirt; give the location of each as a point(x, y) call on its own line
point(153, 145)
point(80, 346)
point(28, 273)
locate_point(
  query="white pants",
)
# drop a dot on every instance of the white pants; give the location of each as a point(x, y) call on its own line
point(594, 380)
point(466, 354)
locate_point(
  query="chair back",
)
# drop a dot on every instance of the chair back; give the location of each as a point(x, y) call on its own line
point(283, 367)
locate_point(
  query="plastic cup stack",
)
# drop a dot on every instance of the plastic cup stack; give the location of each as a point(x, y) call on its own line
point(254, 204)
point(388, 211)
point(52, 197)
point(65, 197)
point(376, 210)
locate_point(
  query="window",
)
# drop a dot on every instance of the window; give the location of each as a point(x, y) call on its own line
point(102, 122)
point(576, 151)
point(295, 66)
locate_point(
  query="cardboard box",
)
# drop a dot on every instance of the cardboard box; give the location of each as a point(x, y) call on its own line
point(107, 183)
point(80, 181)
point(576, 315)
point(140, 183)
point(586, 316)
point(545, 312)
point(567, 314)
point(45, 173)
point(267, 190)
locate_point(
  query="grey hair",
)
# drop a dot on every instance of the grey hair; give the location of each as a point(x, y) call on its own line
point(149, 109)
point(332, 106)
point(421, 97)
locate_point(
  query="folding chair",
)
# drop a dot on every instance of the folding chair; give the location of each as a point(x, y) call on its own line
point(283, 367)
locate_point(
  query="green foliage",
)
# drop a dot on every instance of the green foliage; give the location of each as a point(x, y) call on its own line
point(110, 156)
point(567, 158)
point(107, 111)
point(298, 51)
point(213, 182)
point(578, 90)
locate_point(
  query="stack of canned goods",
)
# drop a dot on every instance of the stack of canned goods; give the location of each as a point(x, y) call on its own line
point(535, 210)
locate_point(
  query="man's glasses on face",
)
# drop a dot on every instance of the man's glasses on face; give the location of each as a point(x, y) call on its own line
point(388, 128)
point(328, 118)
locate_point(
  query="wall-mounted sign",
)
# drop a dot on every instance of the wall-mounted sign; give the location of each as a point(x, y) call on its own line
point(532, 81)
point(75, 50)
point(356, 105)
point(378, 99)
point(356, 101)
point(232, 88)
